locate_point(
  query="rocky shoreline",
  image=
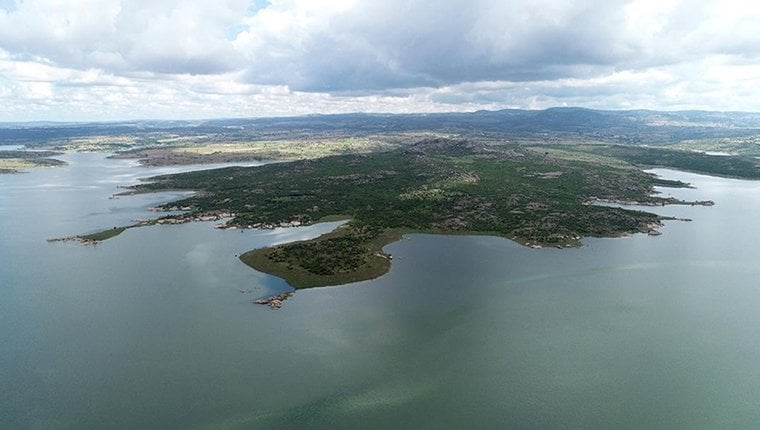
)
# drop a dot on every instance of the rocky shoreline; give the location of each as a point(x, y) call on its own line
point(274, 302)
point(662, 202)
point(82, 241)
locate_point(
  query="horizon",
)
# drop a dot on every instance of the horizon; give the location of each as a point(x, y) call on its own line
point(253, 118)
point(113, 61)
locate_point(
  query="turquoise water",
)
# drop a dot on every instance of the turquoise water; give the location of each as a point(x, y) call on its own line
point(150, 330)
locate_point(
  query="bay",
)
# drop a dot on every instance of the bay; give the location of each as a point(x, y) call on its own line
point(150, 330)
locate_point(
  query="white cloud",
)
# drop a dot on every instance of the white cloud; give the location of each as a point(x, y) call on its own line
point(170, 36)
point(110, 59)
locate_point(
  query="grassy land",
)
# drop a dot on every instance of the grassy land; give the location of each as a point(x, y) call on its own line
point(740, 145)
point(740, 166)
point(15, 161)
point(103, 235)
point(100, 143)
point(579, 153)
point(15, 164)
point(296, 149)
point(170, 153)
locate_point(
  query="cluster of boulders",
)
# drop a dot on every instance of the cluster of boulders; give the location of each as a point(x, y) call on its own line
point(274, 302)
point(263, 226)
point(201, 218)
point(81, 240)
point(170, 209)
point(659, 202)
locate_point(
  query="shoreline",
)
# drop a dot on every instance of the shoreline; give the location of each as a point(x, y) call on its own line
point(258, 259)
point(93, 238)
point(537, 215)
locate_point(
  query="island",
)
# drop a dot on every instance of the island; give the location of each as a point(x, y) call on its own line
point(541, 178)
point(537, 195)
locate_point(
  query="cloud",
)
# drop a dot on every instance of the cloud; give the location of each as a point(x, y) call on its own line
point(396, 43)
point(358, 46)
point(169, 36)
point(145, 58)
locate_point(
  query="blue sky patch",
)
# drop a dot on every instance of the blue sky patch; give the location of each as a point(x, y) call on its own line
point(255, 6)
point(10, 5)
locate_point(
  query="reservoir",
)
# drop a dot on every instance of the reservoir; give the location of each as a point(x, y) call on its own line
point(150, 329)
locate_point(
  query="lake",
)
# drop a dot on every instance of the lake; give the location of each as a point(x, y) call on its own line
point(150, 329)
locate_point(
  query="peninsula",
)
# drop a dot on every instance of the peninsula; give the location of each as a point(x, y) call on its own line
point(530, 176)
point(536, 195)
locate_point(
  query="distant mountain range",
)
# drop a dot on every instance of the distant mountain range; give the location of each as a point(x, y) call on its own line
point(632, 126)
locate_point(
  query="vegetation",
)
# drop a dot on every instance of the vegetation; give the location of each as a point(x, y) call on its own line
point(227, 152)
point(744, 166)
point(741, 145)
point(738, 166)
point(183, 142)
point(538, 196)
point(15, 161)
point(102, 235)
point(349, 254)
point(551, 125)
point(531, 176)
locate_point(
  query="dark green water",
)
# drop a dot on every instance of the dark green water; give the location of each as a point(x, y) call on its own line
point(149, 330)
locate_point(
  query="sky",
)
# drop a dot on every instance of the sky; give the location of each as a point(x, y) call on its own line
point(102, 60)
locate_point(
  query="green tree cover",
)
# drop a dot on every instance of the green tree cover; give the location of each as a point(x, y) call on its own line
point(439, 185)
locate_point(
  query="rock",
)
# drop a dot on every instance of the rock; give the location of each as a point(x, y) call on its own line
point(274, 302)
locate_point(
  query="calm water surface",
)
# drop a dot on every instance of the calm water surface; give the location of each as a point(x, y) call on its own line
point(10, 147)
point(149, 330)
